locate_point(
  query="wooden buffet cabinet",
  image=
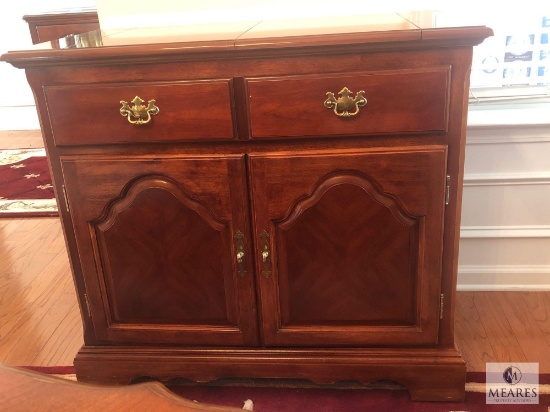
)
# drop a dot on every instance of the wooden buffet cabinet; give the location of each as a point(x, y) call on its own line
point(264, 201)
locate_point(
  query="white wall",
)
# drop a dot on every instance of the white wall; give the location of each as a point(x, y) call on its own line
point(17, 110)
point(505, 231)
point(16, 102)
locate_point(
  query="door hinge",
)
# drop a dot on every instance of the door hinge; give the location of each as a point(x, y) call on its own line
point(441, 301)
point(66, 198)
point(448, 190)
point(88, 305)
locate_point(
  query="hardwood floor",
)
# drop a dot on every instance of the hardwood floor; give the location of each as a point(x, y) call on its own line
point(40, 320)
point(20, 139)
point(503, 327)
point(39, 317)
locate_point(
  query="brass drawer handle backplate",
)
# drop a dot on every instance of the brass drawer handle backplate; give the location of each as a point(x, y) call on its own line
point(139, 113)
point(345, 105)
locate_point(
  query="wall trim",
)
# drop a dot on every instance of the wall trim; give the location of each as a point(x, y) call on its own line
point(502, 134)
point(503, 278)
point(484, 232)
point(506, 179)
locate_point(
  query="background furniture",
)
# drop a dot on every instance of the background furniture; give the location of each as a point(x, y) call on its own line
point(57, 24)
point(22, 390)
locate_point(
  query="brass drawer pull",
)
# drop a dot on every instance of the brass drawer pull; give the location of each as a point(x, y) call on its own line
point(139, 113)
point(345, 105)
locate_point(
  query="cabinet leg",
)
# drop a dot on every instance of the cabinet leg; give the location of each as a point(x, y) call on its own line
point(444, 387)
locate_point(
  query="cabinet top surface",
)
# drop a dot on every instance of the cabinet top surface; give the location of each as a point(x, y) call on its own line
point(369, 30)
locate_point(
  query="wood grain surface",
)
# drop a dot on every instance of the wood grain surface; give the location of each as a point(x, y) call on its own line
point(40, 323)
point(149, 225)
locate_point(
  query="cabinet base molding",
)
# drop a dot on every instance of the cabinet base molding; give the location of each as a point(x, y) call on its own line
point(428, 374)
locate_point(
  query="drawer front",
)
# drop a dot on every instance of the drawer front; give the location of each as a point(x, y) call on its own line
point(90, 114)
point(400, 101)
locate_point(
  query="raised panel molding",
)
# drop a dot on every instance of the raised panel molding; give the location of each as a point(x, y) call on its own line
point(348, 217)
point(497, 134)
point(503, 277)
point(147, 268)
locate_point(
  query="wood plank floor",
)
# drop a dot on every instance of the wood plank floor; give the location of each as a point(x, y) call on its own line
point(40, 320)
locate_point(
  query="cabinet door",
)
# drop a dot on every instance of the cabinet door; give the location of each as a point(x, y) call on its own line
point(349, 246)
point(158, 240)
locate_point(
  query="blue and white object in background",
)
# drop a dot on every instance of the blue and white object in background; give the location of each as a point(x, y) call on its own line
point(517, 55)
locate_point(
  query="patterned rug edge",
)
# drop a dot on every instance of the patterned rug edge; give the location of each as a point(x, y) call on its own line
point(25, 208)
point(475, 380)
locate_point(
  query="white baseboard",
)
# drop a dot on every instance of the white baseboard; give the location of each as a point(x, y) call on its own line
point(504, 278)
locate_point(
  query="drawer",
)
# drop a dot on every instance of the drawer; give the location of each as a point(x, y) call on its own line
point(400, 101)
point(90, 114)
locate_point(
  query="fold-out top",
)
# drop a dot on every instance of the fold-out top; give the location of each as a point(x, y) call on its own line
point(388, 30)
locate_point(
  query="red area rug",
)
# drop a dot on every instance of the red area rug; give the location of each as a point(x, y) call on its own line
point(25, 184)
point(269, 396)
